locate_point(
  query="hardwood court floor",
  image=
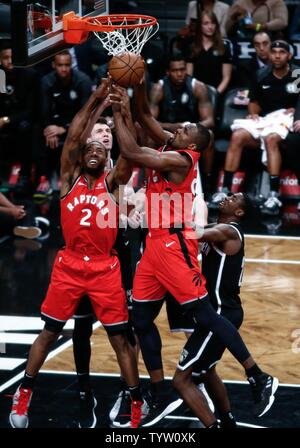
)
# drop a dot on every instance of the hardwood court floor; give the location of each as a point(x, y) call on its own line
point(271, 327)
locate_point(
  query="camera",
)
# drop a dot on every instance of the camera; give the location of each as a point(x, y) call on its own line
point(247, 20)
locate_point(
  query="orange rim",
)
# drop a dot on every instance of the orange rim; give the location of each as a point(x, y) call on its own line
point(148, 21)
point(76, 28)
point(106, 23)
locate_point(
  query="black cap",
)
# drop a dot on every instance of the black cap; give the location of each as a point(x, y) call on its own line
point(281, 44)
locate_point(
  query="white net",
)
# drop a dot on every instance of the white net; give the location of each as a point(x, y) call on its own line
point(123, 40)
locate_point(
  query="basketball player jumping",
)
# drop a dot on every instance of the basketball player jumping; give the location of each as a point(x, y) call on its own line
point(87, 264)
point(169, 262)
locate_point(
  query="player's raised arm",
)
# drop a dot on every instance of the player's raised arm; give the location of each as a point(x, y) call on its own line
point(121, 172)
point(78, 130)
point(145, 117)
point(150, 158)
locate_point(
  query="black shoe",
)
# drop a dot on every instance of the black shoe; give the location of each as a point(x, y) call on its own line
point(160, 406)
point(227, 421)
point(263, 388)
point(88, 403)
point(120, 414)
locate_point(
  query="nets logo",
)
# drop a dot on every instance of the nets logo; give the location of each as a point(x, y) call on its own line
point(183, 355)
point(2, 81)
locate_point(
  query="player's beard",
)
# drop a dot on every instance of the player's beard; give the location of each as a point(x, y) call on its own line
point(95, 172)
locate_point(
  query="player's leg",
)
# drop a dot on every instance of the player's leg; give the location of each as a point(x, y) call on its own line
point(109, 302)
point(214, 384)
point(180, 322)
point(148, 297)
point(120, 413)
point(62, 298)
point(183, 381)
point(83, 329)
point(180, 274)
point(128, 365)
point(147, 300)
point(263, 385)
point(121, 410)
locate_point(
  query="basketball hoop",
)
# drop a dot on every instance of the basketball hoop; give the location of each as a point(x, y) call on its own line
point(118, 34)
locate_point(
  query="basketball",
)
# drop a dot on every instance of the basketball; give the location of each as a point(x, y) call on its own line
point(127, 69)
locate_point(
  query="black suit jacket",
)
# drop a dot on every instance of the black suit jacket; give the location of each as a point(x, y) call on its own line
point(246, 71)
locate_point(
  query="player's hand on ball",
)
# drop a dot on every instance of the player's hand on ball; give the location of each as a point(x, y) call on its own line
point(103, 89)
point(117, 97)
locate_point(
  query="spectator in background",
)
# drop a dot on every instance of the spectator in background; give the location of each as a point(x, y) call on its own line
point(246, 70)
point(17, 105)
point(14, 220)
point(63, 92)
point(247, 16)
point(210, 51)
point(275, 89)
point(195, 9)
point(179, 98)
point(295, 25)
point(291, 147)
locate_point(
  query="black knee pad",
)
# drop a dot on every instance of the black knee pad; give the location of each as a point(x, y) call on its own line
point(114, 330)
point(53, 328)
point(53, 325)
point(201, 311)
point(143, 315)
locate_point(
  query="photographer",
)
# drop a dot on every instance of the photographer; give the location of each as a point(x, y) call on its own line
point(246, 17)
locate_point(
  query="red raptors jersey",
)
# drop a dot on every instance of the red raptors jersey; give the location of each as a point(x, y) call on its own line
point(89, 217)
point(169, 204)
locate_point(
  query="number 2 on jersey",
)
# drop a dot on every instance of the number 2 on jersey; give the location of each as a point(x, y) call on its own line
point(84, 221)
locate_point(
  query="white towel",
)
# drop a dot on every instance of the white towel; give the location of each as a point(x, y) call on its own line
point(277, 122)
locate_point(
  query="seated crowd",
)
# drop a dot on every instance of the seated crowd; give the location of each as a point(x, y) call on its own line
point(39, 104)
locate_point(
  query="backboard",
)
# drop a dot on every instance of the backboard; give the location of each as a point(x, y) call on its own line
point(37, 26)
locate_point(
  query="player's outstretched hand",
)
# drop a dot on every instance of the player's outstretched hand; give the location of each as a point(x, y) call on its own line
point(103, 89)
point(117, 98)
point(123, 100)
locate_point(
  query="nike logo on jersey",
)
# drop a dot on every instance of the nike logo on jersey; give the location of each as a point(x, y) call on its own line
point(113, 265)
point(170, 244)
point(265, 87)
point(81, 183)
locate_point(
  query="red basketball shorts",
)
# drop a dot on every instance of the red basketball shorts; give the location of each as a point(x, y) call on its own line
point(169, 264)
point(76, 275)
